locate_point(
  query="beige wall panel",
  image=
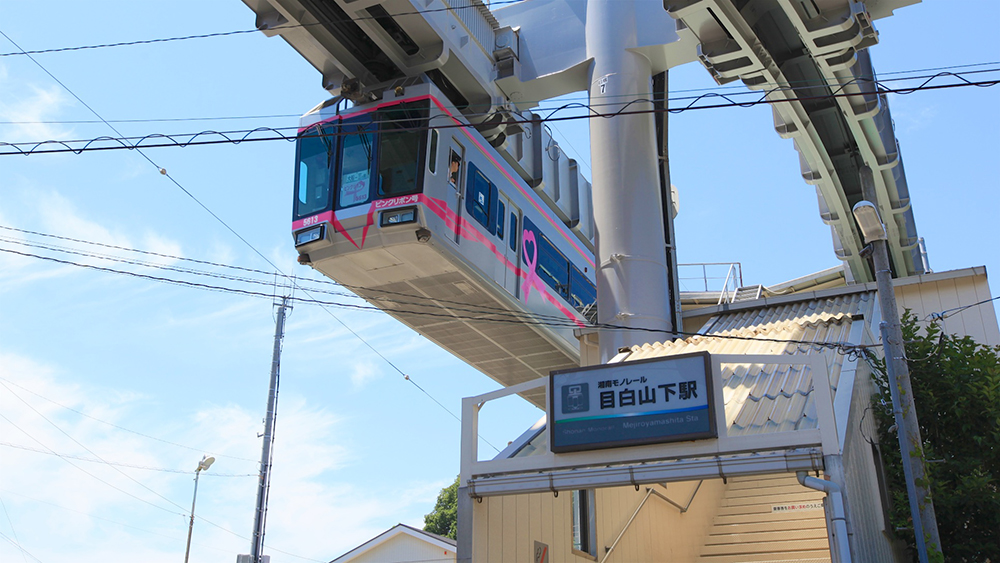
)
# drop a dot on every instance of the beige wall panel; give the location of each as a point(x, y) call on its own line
point(987, 312)
point(979, 322)
point(547, 517)
point(495, 536)
point(659, 533)
point(523, 529)
point(509, 548)
point(480, 530)
point(404, 548)
point(534, 519)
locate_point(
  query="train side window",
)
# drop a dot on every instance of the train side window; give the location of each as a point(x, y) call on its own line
point(316, 149)
point(433, 152)
point(501, 212)
point(454, 168)
point(582, 293)
point(479, 197)
point(513, 231)
point(356, 161)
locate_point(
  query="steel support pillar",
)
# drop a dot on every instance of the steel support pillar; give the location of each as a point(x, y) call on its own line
point(632, 275)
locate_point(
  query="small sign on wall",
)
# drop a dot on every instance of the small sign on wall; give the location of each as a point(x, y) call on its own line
point(797, 507)
point(632, 403)
point(541, 552)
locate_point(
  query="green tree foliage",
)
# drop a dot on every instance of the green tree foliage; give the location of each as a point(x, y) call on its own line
point(956, 388)
point(443, 520)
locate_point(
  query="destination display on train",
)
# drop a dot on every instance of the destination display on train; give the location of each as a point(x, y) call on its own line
point(632, 403)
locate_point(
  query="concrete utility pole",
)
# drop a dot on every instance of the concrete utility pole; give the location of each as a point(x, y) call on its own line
point(907, 428)
point(632, 274)
point(260, 516)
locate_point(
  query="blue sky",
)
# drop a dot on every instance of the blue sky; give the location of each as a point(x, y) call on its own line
point(140, 373)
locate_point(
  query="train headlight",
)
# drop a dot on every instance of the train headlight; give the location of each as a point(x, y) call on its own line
point(309, 235)
point(398, 216)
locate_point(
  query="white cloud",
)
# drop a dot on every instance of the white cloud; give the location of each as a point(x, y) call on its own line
point(58, 215)
point(310, 493)
point(363, 373)
point(27, 105)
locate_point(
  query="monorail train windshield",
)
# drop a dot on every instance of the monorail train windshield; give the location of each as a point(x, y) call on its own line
point(351, 161)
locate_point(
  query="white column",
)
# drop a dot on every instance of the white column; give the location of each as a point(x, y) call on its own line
point(632, 284)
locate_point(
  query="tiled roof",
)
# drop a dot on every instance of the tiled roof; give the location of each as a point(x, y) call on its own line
point(769, 398)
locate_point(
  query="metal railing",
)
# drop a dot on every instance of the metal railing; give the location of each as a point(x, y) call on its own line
point(705, 276)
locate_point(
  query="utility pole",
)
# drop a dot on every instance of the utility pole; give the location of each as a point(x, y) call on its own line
point(911, 449)
point(260, 516)
point(632, 271)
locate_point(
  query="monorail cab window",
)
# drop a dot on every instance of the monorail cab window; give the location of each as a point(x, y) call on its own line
point(316, 148)
point(403, 136)
point(356, 162)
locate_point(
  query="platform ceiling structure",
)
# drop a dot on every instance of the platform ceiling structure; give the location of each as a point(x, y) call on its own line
point(807, 55)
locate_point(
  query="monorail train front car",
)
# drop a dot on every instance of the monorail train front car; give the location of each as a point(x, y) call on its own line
point(409, 207)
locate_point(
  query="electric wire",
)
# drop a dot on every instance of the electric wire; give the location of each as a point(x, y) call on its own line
point(458, 305)
point(591, 106)
point(236, 137)
point(956, 310)
point(18, 545)
point(593, 101)
point(184, 512)
point(840, 347)
point(164, 172)
point(429, 302)
point(123, 491)
point(17, 542)
point(280, 27)
point(77, 442)
point(120, 464)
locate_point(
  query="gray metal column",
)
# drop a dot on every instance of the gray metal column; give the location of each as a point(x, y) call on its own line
point(264, 482)
point(632, 284)
point(464, 525)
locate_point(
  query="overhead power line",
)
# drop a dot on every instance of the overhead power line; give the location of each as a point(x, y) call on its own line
point(119, 427)
point(219, 219)
point(840, 347)
point(792, 85)
point(406, 298)
point(118, 463)
point(119, 489)
point(236, 137)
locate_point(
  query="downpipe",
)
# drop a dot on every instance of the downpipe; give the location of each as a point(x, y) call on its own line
point(836, 495)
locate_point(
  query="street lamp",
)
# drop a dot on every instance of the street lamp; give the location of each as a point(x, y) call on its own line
point(898, 372)
point(203, 465)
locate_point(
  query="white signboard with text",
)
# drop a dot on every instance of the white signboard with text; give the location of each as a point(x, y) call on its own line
point(631, 403)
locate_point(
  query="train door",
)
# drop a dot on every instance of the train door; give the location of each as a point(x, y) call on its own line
point(508, 243)
point(456, 169)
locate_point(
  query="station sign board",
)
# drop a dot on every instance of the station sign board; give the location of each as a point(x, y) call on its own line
point(632, 403)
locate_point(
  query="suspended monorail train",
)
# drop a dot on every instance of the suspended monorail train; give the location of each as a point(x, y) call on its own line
point(486, 252)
